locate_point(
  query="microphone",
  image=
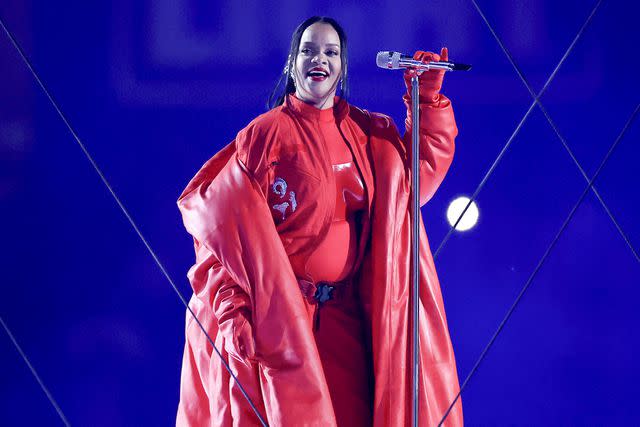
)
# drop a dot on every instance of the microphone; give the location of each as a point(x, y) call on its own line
point(396, 60)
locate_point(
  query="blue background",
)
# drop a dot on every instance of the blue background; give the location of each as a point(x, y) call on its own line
point(155, 88)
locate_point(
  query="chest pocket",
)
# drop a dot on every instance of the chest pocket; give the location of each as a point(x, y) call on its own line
point(293, 194)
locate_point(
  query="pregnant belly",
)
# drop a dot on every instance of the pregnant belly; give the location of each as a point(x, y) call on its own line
point(333, 259)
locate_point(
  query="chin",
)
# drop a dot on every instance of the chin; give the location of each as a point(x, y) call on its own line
point(320, 95)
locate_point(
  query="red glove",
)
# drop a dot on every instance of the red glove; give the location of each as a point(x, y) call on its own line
point(232, 307)
point(430, 81)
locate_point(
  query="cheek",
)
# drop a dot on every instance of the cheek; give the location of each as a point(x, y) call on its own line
point(337, 69)
point(299, 65)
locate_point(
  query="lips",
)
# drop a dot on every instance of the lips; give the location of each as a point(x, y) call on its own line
point(318, 74)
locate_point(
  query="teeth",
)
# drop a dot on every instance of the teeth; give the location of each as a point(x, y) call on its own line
point(317, 74)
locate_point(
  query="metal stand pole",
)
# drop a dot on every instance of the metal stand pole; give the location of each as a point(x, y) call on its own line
point(415, 237)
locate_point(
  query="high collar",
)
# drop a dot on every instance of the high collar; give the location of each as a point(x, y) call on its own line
point(338, 112)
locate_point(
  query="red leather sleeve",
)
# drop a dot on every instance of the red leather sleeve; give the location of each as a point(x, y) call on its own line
point(437, 125)
point(438, 131)
point(232, 307)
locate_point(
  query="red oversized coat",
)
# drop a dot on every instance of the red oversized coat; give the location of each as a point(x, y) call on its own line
point(226, 208)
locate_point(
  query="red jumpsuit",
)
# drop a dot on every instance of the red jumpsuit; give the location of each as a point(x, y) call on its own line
point(265, 213)
point(340, 333)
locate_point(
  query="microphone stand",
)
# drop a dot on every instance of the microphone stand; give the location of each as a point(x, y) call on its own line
point(415, 238)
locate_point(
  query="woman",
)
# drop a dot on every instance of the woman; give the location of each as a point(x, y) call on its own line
point(302, 239)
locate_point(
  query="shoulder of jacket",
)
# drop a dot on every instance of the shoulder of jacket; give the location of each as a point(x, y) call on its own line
point(375, 120)
point(258, 137)
point(382, 121)
point(264, 125)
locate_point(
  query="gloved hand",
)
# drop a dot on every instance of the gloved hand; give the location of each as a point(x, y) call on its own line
point(232, 308)
point(430, 81)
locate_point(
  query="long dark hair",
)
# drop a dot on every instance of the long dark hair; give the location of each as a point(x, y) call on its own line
point(289, 86)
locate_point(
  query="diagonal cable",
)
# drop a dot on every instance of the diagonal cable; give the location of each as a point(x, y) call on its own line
point(35, 374)
point(541, 262)
point(553, 125)
point(593, 188)
point(126, 214)
point(517, 130)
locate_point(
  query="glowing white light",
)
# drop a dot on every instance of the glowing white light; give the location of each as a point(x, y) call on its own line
point(470, 217)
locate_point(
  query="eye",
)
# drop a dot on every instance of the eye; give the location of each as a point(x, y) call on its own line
point(305, 50)
point(332, 53)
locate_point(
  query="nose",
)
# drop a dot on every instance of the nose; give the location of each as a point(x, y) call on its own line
point(319, 58)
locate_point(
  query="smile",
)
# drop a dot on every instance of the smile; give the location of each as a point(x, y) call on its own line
point(317, 74)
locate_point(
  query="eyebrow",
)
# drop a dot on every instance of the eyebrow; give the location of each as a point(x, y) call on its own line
point(328, 44)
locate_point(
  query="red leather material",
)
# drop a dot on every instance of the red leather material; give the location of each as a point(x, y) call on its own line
point(232, 308)
point(241, 238)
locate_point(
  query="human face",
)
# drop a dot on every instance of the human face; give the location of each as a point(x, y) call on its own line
point(318, 66)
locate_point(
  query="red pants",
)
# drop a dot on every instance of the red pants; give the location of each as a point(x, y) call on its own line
point(340, 337)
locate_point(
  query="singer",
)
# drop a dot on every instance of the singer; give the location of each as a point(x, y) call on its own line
point(302, 237)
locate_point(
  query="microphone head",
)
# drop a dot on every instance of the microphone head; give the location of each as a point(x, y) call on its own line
point(460, 67)
point(388, 59)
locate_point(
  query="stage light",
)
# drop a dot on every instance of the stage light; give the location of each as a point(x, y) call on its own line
point(470, 217)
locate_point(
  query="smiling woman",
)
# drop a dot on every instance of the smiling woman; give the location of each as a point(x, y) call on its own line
point(302, 235)
point(318, 66)
point(316, 40)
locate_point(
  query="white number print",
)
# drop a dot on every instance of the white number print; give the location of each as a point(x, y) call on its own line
point(279, 188)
